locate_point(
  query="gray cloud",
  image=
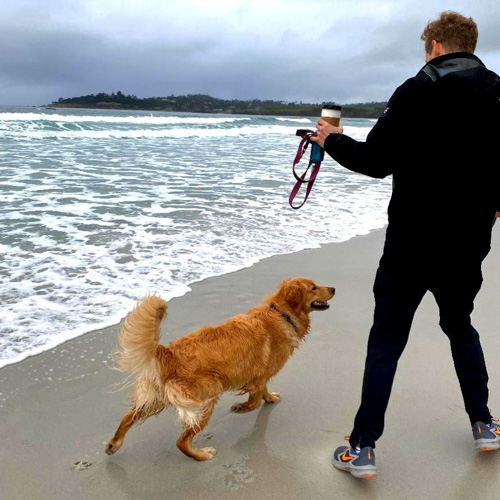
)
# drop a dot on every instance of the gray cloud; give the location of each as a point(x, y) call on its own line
point(342, 51)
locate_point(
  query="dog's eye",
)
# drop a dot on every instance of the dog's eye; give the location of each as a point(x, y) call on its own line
point(314, 288)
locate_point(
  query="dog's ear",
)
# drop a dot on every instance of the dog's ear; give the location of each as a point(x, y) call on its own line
point(294, 295)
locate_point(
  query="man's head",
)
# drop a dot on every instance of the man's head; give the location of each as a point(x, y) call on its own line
point(450, 32)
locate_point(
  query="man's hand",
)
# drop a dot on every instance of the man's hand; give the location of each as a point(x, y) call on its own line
point(324, 129)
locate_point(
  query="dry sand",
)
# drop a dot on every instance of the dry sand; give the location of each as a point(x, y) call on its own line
point(57, 409)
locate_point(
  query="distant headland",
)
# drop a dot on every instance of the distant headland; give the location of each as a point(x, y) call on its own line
point(199, 103)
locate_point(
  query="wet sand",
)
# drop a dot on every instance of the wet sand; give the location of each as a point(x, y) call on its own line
point(58, 408)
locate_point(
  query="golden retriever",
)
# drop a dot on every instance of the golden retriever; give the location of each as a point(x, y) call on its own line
point(192, 372)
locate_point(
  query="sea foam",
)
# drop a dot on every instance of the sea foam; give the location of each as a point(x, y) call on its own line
point(95, 216)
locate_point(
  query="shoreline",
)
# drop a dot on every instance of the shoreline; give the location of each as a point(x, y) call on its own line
point(57, 408)
point(114, 323)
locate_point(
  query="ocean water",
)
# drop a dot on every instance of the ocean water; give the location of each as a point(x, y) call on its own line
point(99, 208)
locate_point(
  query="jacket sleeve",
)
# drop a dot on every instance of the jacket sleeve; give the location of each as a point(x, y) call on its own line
point(379, 155)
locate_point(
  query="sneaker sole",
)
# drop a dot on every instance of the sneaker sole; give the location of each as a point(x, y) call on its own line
point(487, 445)
point(361, 473)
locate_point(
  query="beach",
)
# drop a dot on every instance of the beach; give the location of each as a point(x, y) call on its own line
point(58, 408)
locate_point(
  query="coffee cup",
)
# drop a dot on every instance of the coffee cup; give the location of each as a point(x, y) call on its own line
point(331, 114)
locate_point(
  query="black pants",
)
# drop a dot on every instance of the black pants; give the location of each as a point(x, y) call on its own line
point(404, 276)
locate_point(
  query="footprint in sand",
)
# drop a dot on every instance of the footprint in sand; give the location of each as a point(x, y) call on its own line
point(238, 476)
point(80, 465)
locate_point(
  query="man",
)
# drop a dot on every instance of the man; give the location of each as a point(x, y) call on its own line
point(438, 137)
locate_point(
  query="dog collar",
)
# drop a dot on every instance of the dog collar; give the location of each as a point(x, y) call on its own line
point(284, 316)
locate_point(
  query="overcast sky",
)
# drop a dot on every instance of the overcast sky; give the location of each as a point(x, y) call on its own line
point(294, 50)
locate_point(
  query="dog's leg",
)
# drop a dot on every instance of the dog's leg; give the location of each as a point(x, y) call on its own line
point(185, 441)
point(254, 401)
point(270, 397)
point(256, 395)
point(127, 422)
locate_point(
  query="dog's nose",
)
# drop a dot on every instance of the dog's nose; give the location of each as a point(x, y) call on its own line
point(332, 289)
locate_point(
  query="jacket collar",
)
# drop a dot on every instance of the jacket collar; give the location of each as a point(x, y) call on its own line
point(443, 65)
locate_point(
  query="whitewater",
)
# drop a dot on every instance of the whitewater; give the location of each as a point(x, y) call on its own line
point(99, 208)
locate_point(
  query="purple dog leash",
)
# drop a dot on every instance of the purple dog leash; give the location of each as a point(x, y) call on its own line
point(313, 166)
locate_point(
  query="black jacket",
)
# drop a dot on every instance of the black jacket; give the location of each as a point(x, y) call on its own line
point(439, 138)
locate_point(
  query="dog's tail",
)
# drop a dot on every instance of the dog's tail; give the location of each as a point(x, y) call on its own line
point(139, 338)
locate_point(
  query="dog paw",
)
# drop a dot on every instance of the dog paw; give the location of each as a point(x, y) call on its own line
point(241, 408)
point(237, 408)
point(272, 397)
point(110, 448)
point(202, 454)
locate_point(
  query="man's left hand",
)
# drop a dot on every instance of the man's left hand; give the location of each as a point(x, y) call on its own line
point(324, 129)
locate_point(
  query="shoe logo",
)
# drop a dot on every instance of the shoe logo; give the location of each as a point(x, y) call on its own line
point(346, 456)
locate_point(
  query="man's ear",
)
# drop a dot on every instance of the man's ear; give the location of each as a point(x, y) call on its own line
point(437, 49)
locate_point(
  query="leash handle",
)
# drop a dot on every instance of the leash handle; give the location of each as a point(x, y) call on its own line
point(314, 166)
point(301, 180)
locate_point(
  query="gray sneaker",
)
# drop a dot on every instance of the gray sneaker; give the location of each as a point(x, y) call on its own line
point(360, 463)
point(486, 436)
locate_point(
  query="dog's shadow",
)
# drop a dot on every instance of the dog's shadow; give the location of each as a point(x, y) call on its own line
point(256, 440)
point(232, 468)
point(249, 463)
point(255, 460)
